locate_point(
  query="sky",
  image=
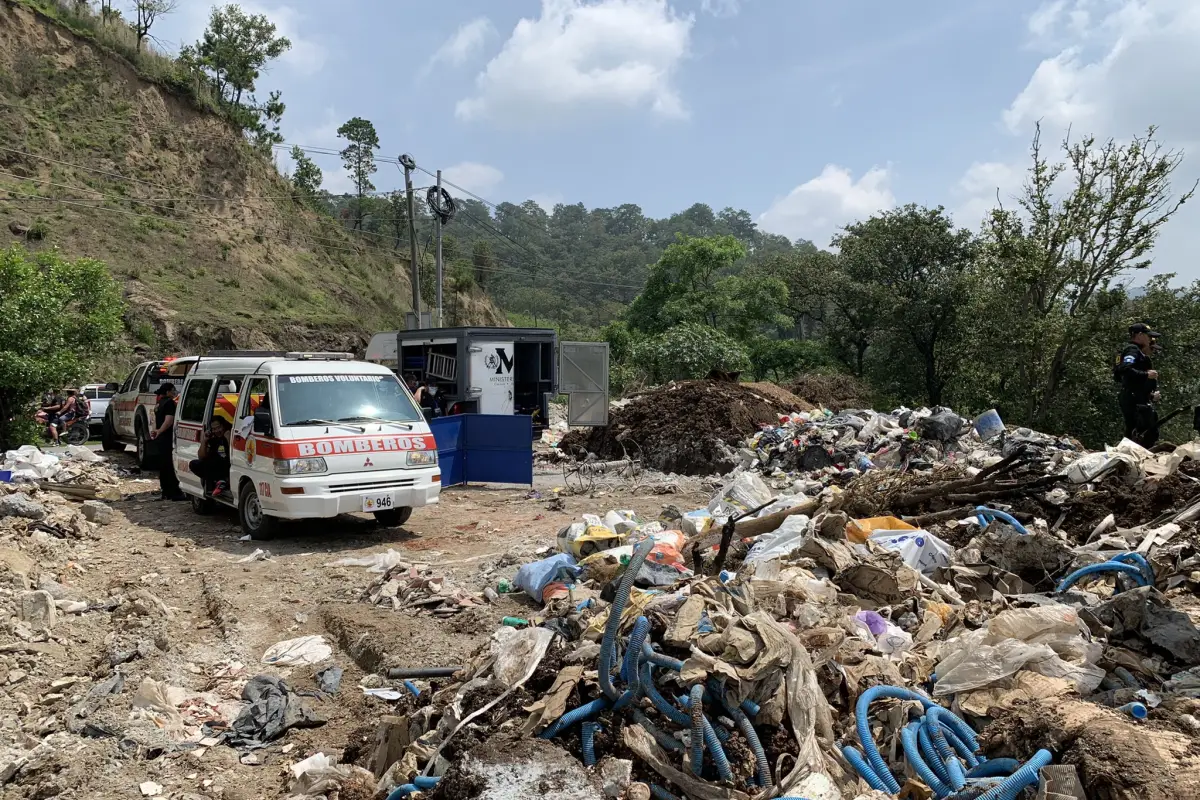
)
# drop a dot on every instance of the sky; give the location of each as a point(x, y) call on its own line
point(809, 115)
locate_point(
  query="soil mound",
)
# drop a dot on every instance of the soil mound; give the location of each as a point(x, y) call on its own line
point(835, 392)
point(689, 427)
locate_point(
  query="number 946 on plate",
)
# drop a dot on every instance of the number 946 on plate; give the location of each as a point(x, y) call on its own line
point(378, 502)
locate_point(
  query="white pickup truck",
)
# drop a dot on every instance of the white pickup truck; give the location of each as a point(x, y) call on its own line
point(130, 414)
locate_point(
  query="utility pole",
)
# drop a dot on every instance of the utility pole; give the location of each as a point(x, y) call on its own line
point(409, 165)
point(437, 221)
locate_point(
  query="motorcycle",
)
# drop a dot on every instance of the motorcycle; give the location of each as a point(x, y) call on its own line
point(76, 433)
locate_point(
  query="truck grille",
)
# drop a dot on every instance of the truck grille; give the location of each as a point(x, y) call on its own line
point(371, 486)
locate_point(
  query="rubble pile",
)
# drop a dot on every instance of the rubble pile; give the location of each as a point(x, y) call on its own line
point(776, 643)
point(687, 428)
point(835, 392)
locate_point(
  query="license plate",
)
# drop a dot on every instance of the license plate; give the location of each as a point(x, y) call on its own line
point(378, 502)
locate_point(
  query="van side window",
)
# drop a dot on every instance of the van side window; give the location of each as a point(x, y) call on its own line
point(195, 400)
point(254, 394)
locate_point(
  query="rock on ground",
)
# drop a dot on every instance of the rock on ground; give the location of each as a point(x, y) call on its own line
point(38, 610)
point(98, 512)
point(520, 770)
point(20, 505)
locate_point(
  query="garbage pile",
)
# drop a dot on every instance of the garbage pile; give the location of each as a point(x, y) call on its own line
point(687, 428)
point(79, 465)
point(775, 645)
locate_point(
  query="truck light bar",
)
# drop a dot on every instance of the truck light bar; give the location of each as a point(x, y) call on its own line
point(320, 356)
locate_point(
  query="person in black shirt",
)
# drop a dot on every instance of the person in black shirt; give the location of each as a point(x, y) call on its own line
point(164, 442)
point(1139, 386)
point(213, 464)
point(428, 399)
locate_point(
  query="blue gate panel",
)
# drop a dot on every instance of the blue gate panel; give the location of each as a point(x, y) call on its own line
point(447, 432)
point(484, 448)
point(499, 448)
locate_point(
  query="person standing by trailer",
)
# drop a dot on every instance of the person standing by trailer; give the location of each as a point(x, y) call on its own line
point(163, 436)
point(1139, 385)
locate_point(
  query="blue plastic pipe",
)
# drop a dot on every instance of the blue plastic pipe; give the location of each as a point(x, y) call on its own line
point(574, 716)
point(863, 727)
point(860, 765)
point(986, 515)
point(425, 782)
point(760, 755)
point(908, 740)
point(658, 659)
point(403, 790)
point(1139, 560)
point(1126, 677)
point(995, 768)
point(1135, 710)
point(929, 753)
point(664, 706)
point(697, 742)
point(587, 732)
point(964, 752)
point(612, 626)
point(1105, 566)
point(713, 737)
point(412, 687)
point(659, 793)
point(1014, 784)
point(665, 741)
point(934, 720)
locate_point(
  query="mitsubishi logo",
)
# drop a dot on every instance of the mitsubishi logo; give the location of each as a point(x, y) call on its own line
point(368, 463)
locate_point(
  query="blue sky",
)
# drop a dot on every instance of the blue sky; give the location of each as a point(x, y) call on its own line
point(807, 114)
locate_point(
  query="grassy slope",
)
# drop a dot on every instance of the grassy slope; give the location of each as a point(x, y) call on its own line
point(197, 226)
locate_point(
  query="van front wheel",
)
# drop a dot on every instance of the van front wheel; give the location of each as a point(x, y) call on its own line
point(255, 523)
point(393, 517)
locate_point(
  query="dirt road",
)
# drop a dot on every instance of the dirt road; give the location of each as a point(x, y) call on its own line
point(183, 610)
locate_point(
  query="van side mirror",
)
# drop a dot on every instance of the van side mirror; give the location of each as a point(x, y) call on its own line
point(262, 421)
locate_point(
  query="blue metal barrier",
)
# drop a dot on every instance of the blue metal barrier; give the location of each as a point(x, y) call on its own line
point(484, 448)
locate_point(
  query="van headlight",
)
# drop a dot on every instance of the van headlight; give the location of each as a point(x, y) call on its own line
point(422, 458)
point(299, 466)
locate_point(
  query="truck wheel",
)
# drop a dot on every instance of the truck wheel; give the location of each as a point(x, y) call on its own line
point(108, 437)
point(255, 523)
point(202, 505)
point(393, 517)
point(144, 458)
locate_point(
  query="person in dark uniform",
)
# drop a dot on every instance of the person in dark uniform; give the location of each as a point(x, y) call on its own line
point(1139, 385)
point(164, 441)
point(212, 466)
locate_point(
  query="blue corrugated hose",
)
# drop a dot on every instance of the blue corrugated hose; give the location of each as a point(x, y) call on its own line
point(1139, 560)
point(934, 720)
point(659, 793)
point(863, 726)
point(611, 627)
point(587, 732)
point(995, 768)
point(1014, 784)
point(864, 769)
point(697, 742)
point(419, 784)
point(585, 711)
point(986, 515)
point(1105, 566)
point(908, 741)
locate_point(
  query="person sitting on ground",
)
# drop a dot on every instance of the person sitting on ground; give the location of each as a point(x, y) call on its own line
point(212, 466)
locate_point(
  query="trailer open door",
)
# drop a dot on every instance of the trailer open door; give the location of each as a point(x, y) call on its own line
point(583, 377)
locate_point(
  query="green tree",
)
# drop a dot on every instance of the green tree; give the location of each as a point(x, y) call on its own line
point(915, 267)
point(234, 49)
point(482, 261)
point(688, 350)
point(359, 158)
point(146, 13)
point(692, 282)
point(306, 178)
point(57, 317)
point(1050, 276)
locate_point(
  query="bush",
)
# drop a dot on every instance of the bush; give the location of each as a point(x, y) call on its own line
point(688, 351)
point(57, 318)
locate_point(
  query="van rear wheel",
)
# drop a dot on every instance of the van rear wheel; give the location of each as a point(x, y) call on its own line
point(393, 517)
point(255, 523)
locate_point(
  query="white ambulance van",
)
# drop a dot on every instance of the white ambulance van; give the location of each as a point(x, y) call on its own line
point(314, 435)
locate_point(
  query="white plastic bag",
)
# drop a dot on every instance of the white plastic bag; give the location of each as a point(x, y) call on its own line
point(298, 652)
point(745, 492)
point(518, 652)
point(920, 550)
point(789, 536)
point(377, 562)
point(77, 452)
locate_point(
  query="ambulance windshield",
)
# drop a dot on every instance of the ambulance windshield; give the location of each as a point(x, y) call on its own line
point(343, 398)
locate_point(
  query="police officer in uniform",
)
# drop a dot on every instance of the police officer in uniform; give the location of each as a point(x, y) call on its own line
point(1139, 385)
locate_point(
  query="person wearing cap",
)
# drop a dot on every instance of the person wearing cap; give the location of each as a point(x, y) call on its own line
point(164, 441)
point(1139, 385)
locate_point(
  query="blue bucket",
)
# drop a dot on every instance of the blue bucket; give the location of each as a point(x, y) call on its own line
point(989, 425)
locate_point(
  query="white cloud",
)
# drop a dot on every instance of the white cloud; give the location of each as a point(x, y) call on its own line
point(983, 185)
point(1124, 65)
point(585, 56)
point(465, 43)
point(721, 8)
point(474, 177)
point(817, 209)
